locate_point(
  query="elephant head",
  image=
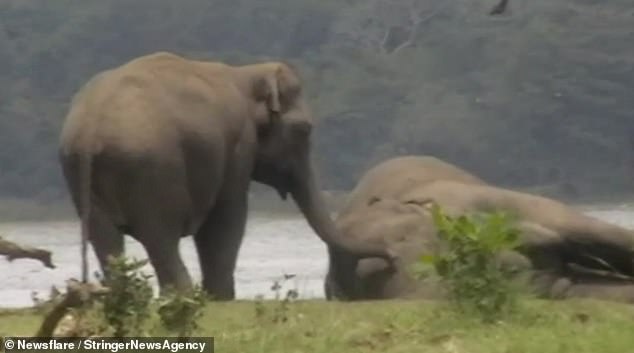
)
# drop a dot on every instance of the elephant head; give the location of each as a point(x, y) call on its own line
point(283, 158)
point(400, 224)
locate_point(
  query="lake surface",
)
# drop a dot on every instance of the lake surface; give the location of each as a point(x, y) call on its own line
point(272, 247)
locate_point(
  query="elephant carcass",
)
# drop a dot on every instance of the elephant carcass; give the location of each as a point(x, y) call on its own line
point(568, 253)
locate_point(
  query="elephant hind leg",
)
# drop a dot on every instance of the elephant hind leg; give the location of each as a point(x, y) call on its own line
point(105, 238)
point(161, 244)
point(158, 211)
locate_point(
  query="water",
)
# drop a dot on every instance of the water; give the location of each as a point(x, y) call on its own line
point(272, 248)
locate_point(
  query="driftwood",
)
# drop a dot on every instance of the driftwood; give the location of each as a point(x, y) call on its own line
point(14, 251)
point(77, 295)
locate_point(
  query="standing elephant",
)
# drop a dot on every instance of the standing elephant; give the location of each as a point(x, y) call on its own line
point(568, 253)
point(164, 146)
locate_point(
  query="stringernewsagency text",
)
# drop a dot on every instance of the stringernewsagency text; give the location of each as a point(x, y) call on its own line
point(91, 344)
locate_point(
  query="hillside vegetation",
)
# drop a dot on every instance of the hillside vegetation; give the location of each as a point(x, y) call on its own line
point(540, 96)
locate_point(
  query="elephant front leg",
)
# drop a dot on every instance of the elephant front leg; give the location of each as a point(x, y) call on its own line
point(218, 243)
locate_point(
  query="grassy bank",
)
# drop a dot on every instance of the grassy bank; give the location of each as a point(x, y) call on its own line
point(398, 326)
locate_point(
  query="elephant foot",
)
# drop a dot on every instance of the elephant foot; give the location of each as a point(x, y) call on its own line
point(219, 290)
point(168, 290)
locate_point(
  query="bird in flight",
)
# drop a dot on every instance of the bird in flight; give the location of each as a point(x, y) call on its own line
point(500, 8)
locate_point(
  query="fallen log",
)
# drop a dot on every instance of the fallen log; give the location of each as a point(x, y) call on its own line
point(77, 294)
point(14, 251)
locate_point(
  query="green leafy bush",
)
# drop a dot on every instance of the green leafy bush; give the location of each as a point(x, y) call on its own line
point(179, 312)
point(468, 263)
point(129, 308)
point(126, 307)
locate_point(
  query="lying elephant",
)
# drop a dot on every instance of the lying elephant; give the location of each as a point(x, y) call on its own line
point(567, 253)
point(165, 146)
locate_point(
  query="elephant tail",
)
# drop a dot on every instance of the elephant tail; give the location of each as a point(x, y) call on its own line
point(85, 183)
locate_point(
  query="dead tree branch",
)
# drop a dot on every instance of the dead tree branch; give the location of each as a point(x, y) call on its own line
point(77, 295)
point(14, 251)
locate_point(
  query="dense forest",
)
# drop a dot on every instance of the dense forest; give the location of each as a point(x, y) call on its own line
point(540, 96)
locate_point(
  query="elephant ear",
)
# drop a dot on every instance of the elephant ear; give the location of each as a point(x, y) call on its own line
point(267, 89)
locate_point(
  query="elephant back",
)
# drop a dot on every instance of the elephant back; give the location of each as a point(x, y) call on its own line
point(397, 177)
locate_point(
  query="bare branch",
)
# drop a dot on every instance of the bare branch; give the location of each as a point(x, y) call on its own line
point(14, 251)
point(418, 21)
point(386, 36)
point(77, 294)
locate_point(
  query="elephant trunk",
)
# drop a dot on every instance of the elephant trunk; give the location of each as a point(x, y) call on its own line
point(306, 194)
point(342, 283)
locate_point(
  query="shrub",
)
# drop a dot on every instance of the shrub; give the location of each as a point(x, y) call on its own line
point(126, 307)
point(179, 312)
point(468, 262)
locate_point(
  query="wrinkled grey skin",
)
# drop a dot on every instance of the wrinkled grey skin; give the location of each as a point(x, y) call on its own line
point(392, 203)
point(163, 147)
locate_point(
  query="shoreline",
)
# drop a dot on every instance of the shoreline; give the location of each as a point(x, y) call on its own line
point(26, 210)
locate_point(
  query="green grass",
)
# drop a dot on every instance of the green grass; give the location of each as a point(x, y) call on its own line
point(400, 326)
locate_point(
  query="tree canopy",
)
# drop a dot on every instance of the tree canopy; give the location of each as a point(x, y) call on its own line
point(541, 95)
